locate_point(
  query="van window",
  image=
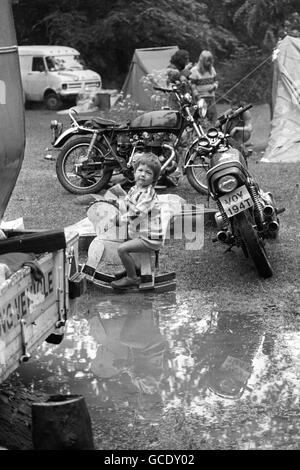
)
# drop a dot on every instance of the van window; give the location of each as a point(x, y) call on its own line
point(65, 62)
point(38, 64)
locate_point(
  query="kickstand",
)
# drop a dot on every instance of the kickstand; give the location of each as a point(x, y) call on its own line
point(229, 249)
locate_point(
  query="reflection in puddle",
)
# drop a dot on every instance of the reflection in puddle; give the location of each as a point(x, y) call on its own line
point(153, 354)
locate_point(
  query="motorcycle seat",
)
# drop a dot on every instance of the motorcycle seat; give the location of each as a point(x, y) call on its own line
point(99, 122)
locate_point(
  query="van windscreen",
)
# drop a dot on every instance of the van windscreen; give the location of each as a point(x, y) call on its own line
point(65, 62)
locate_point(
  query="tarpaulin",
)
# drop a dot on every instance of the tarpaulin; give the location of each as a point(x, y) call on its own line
point(144, 62)
point(12, 124)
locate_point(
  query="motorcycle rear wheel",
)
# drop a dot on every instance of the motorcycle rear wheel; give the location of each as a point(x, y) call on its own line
point(196, 175)
point(71, 154)
point(254, 245)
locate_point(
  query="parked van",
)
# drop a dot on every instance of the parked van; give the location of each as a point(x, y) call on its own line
point(54, 74)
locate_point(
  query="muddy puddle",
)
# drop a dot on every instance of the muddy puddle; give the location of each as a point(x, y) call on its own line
point(142, 357)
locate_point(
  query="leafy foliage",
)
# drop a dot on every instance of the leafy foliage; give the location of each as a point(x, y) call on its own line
point(246, 75)
point(265, 19)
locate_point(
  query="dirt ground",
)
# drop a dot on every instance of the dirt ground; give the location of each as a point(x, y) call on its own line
point(43, 203)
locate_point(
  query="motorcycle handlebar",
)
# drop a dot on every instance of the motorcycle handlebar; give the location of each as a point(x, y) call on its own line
point(73, 111)
point(222, 119)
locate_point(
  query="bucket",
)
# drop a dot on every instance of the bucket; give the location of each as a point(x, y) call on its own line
point(62, 423)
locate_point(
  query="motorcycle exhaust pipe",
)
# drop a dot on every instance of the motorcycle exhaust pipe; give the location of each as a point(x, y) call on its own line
point(167, 162)
point(219, 220)
point(268, 211)
point(273, 226)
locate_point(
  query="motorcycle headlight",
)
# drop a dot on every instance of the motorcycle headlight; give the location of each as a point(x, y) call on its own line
point(202, 107)
point(227, 183)
point(188, 97)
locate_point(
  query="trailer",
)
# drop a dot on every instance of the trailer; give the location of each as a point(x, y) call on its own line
point(34, 309)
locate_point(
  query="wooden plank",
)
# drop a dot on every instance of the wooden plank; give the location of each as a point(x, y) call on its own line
point(88, 270)
point(165, 287)
point(23, 297)
point(160, 287)
point(103, 286)
point(163, 277)
point(35, 335)
point(99, 276)
point(147, 274)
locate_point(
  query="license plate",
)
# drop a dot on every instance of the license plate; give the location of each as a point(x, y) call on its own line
point(237, 201)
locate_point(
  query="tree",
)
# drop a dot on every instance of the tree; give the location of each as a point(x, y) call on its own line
point(265, 19)
point(108, 32)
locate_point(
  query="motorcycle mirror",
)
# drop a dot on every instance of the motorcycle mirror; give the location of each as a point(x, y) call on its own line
point(203, 142)
point(202, 106)
point(188, 97)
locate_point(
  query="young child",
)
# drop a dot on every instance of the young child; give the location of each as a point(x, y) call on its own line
point(143, 218)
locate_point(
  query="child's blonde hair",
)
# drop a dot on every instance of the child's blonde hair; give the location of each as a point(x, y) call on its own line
point(149, 159)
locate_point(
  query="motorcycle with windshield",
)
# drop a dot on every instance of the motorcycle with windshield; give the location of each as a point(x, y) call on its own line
point(246, 215)
point(94, 149)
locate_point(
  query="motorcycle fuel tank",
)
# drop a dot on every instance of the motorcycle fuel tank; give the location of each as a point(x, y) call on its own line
point(232, 155)
point(160, 119)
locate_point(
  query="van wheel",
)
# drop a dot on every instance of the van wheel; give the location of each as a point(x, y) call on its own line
point(53, 101)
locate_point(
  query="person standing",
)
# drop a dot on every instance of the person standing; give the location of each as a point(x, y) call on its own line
point(203, 79)
point(179, 70)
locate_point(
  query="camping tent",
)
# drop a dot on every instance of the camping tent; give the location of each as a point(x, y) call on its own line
point(284, 141)
point(145, 61)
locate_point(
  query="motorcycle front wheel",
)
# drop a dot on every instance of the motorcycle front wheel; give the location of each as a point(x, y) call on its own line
point(253, 244)
point(72, 170)
point(197, 169)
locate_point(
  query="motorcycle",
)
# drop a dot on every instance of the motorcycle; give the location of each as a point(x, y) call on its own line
point(246, 215)
point(92, 150)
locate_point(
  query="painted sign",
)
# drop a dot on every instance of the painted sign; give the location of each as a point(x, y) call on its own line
point(25, 301)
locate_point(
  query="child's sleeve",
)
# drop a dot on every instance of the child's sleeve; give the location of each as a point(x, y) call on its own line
point(141, 208)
